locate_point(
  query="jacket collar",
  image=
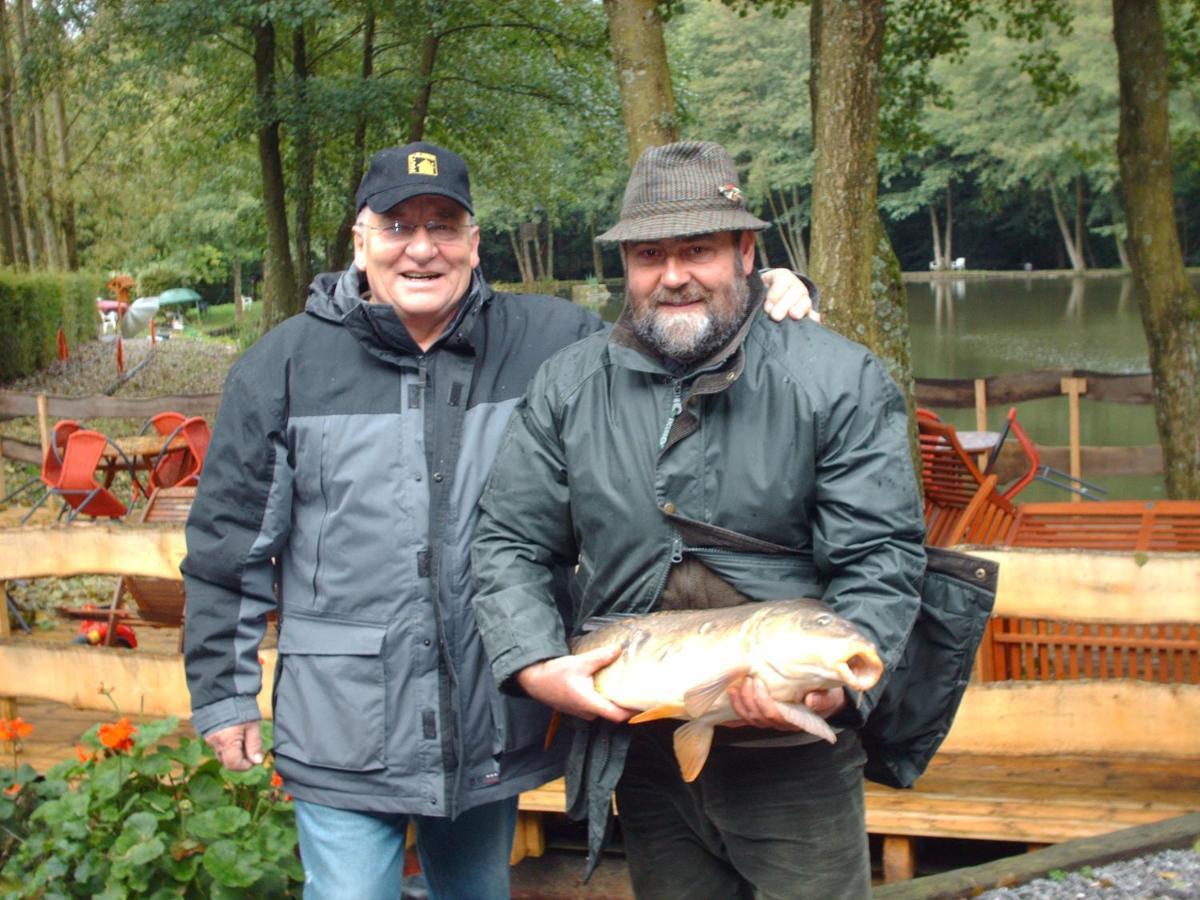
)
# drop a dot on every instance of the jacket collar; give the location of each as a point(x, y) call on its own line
point(628, 351)
point(344, 299)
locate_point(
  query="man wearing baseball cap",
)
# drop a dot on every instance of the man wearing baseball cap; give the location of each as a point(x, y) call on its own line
point(340, 490)
point(693, 458)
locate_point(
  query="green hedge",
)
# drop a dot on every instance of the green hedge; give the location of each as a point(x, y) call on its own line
point(32, 309)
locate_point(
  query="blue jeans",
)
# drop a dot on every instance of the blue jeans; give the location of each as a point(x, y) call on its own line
point(351, 855)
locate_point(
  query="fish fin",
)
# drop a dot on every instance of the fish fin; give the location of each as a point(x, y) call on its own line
point(807, 720)
point(692, 743)
point(552, 729)
point(700, 699)
point(666, 711)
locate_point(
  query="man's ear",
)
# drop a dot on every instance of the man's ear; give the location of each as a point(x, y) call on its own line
point(746, 250)
point(360, 248)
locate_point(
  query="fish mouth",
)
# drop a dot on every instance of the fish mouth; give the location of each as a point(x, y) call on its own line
point(862, 669)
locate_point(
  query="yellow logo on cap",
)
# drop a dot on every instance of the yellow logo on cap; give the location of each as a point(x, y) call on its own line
point(422, 164)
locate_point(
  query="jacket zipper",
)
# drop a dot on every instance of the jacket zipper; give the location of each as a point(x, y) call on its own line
point(676, 409)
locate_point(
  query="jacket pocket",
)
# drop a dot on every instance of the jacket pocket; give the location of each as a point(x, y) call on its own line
point(330, 708)
point(520, 723)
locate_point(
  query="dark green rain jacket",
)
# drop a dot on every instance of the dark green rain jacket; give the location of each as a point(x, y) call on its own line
point(791, 445)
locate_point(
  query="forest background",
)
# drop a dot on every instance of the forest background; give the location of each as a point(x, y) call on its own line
point(133, 132)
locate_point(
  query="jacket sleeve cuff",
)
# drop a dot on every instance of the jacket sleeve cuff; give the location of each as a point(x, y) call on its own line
point(224, 713)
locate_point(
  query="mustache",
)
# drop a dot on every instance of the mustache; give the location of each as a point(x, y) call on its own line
point(689, 293)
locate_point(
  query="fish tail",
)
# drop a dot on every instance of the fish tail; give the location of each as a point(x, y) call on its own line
point(552, 730)
point(693, 741)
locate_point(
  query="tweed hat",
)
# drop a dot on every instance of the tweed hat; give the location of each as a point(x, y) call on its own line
point(681, 189)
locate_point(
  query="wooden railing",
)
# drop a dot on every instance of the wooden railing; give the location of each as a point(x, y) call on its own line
point(938, 393)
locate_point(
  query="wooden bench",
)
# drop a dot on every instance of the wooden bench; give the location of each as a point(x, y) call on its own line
point(1044, 749)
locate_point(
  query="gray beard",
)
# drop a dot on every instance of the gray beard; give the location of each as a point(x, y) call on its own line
point(688, 342)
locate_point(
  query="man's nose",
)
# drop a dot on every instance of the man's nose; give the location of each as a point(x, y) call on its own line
point(675, 273)
point(421, 245)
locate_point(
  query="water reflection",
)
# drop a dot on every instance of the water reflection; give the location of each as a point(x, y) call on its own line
point(992, 326)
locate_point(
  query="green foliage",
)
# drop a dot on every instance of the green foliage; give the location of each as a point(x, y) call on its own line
point(32, 309)
point(136, 817)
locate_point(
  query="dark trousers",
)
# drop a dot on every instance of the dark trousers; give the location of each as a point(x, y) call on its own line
point(782, 822)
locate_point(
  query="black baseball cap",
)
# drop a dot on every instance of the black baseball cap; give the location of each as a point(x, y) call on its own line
point(398, 173)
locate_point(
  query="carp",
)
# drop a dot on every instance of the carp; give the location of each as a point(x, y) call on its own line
point(681, 664)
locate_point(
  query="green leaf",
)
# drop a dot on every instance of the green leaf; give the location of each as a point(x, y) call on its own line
point(108, 777)
point(184, 869)
point(150, 734)
point(232, 865)
point(153, 765)
point(214, 823)
point(206, 790)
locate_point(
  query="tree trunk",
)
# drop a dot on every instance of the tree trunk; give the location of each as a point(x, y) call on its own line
point(16, 194)
point(850, 255)
point(1080, 231)
point(524, 268)
point(644, 80)
point(764, 261)
point(782, 224)
point(597, 254)
point(66, 193)
point(306, 158)
point(340, 257)
point(420, 110)
point(239, 312)
point(948, 254)
point(1170, 306)
point(282, 293)
point(1065, 230)
point(937, 239)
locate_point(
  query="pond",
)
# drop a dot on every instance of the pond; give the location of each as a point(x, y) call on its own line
point(973, 328)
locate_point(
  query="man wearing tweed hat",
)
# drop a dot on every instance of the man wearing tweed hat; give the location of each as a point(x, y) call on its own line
point(695, 458)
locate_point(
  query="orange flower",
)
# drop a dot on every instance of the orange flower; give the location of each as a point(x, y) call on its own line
point(84, 755)
point(276, 781)
point(14, 729)
point(118, 735)
point(12, 790)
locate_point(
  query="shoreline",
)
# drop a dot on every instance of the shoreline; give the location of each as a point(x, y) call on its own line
point(1018, 274)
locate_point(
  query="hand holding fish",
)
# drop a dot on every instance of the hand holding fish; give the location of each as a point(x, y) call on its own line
point(752, 702)
point(565, 683)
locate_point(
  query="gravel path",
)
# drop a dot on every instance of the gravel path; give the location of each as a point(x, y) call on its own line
point(1169, 875)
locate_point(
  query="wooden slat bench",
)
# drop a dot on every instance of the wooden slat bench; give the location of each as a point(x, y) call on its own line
point(1037, 755)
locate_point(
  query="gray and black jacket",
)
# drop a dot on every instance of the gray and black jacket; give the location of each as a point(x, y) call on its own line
point(343, 478)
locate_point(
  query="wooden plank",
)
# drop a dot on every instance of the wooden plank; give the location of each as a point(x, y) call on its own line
point(21, 451)
point(1085, 717)
point(1142, 840)
point(13, 404)
point(151, 684)
point(91, 549)
point(1016, 387)
point(1097, 586)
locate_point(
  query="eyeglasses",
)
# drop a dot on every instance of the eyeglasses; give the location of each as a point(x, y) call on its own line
point(403, 232)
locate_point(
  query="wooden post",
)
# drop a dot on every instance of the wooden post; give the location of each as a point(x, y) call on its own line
point(1073, 388)
point(8, 705)
point(899, 858)
point(981, 414)
point(43, 423)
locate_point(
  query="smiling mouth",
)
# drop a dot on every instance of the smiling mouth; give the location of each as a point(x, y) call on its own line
point(420, 276)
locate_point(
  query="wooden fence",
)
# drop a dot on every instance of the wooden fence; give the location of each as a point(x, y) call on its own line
point(939, 393)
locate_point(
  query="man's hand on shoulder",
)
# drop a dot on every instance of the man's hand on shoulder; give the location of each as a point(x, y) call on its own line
point(787, 295)
point(565, 683)
point(238, 747)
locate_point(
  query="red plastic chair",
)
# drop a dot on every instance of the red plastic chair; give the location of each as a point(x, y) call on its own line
point(172, 467)
point(182, 465)
point(52, 463)
point(78, 486)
